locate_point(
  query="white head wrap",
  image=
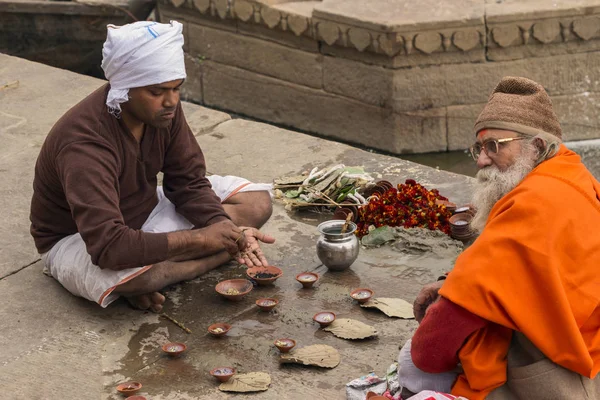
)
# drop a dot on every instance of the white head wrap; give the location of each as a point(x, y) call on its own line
point(141, 54)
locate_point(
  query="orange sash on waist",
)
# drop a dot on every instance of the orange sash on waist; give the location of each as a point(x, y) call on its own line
point(534, 269)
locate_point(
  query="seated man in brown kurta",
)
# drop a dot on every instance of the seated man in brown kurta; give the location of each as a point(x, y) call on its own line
point(102, 225)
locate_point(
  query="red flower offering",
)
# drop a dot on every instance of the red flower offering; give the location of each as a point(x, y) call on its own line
point(410, 205)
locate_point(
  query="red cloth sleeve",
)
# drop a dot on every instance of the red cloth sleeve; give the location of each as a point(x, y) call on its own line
point(441, 334)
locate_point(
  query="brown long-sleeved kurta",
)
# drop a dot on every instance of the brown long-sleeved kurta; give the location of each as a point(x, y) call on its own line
point(92, 177)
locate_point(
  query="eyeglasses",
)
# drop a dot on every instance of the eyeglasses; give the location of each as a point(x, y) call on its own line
point(490, 147)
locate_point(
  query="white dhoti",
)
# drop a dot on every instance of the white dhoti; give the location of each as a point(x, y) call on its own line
point(415, 380)
point(69, 262)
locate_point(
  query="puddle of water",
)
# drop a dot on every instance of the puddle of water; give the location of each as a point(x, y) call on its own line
point(252, 327)
point(459, 162)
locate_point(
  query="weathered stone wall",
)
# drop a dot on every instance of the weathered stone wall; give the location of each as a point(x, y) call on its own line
point(388, 74)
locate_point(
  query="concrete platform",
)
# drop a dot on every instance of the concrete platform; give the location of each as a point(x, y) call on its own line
point(56, 346)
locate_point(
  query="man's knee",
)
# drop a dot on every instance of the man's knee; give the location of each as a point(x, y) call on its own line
point(264, 206)
point(250, 208)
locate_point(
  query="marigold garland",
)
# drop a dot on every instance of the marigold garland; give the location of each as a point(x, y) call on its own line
point(410, 205)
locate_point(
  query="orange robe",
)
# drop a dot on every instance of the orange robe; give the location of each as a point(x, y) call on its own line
point(534, 269)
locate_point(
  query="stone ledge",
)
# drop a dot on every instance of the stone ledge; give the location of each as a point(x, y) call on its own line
point(438, 86)
point(455, 84)
point(534, 34)
point(417, 33)
point(256, 55)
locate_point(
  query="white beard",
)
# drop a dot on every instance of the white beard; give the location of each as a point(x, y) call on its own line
point(493, 184)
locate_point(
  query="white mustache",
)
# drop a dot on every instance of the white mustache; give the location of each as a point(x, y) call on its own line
point(493, 184)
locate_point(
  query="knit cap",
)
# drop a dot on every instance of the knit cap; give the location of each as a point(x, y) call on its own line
point(520, 105)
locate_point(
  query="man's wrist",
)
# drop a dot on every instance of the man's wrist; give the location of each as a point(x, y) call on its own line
point(179, 242)
point(216, 219)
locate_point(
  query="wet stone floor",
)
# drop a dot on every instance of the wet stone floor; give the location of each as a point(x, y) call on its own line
point(248, 346)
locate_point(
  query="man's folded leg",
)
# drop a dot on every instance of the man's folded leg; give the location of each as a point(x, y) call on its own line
point(71, 265)
point(247, 203)
point(69, 262)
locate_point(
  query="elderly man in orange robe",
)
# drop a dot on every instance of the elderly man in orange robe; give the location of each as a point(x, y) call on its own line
point(518, 317)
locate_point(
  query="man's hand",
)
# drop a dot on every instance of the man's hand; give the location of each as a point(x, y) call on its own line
point(225, 235)
point(251, 254)
point(427, 296)
point(240, 242)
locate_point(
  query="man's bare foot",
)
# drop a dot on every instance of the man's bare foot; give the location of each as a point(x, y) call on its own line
point(152, 301)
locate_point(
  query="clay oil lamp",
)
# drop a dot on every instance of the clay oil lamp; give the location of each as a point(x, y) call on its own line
point(129, 388)
point(285, 345)
point(219, 329)
point(264, 275)
point(324, 318)
point(460, 227)
point(223, 373)
point(267, 304)
point(362, 295)
point(462, 209)
point(375, 396)
point(234, 289)
point(387, 185)
point(341, 213)
point(307, 279)
point(174, 349)
point(450, 206)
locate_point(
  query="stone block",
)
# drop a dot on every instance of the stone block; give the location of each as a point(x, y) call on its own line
point(286, 38)
point(578, 115)
point(265, 58)
point(418, 89)
point(317, 111)
point(367, 83)
point(364, 57)
point(472, 83)
point(420, 130)
point(460, 125)
point(191, 90)
point(560, 75)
